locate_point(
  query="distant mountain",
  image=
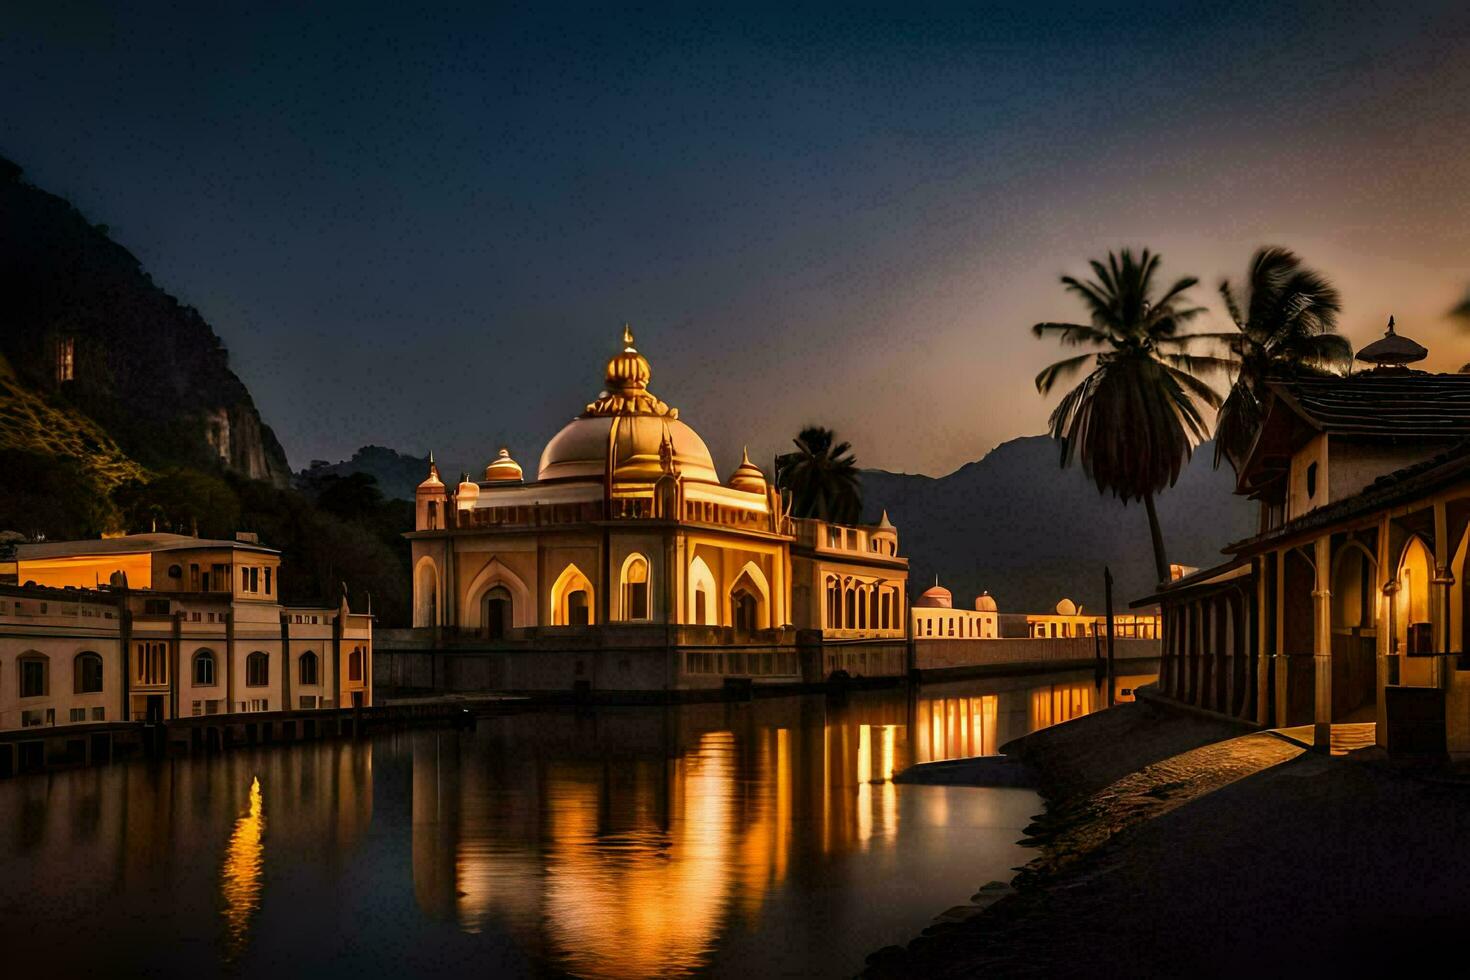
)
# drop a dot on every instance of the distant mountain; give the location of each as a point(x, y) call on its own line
point(1016, 524)
point(398, 474)
point(88, 334)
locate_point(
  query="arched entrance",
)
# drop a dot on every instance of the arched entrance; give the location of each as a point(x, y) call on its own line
point(749, 600)
point(1354, 635)
point(1412, 631)
point(571, 599)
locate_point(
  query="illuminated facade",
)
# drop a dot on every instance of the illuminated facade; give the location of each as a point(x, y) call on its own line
point(1349, 605)
point(1069, 619)
point(936, 617)
point(628, 563)
point(151, 627)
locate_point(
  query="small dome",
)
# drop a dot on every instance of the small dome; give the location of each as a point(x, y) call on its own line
point(1067, 608)
point(431, 483)
point(747, 475)
point(503, 469)
point(985, 602)
point(936, 597)
point(468, 492)
point(1392, 351)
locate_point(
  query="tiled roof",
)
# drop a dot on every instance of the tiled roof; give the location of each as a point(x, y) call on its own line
point(129, 544)
point(1400, 485)
point(1387, 403)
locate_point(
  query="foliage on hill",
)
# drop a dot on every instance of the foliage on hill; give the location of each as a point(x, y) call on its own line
point(143, 366)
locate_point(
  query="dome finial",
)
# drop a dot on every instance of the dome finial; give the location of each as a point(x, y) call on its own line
point(628, 338)
point(1390, 325)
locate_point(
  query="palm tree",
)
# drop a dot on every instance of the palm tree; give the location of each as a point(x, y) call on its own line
point(821, 477)
point(1284, 329)
point(1134, 419)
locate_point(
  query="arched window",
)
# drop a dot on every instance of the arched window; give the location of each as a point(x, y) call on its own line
point(204, 669)
point(35, 675)
point(257, 670)
point(701, 608)
point(433, 515)
point(354, 664)
point(307, 669)
point(635, 588)
point(87, 674)
point(571, 599)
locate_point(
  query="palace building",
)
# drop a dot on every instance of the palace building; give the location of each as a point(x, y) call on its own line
point(1349, 605)
point(625, 561)
point(153, 627)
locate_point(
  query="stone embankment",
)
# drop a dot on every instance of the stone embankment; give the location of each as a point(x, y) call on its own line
point(1180, 845)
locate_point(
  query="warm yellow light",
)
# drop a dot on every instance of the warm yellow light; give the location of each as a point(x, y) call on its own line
point(240, 877)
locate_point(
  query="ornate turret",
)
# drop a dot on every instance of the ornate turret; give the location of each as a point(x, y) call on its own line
point(503, 469)
point(467, 493)
point(747, 475)
point(1392, 352)
point(627, 385)
point(432, 481)
point(429, 500)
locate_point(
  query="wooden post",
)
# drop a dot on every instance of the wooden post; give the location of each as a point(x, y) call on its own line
point(1108, 596)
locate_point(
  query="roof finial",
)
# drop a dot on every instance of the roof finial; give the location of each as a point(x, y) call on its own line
point(936, 580)
point(627, 337)
point(431, 457)
point(1390, 325)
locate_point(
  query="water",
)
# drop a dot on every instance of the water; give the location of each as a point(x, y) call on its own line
point(759, 839)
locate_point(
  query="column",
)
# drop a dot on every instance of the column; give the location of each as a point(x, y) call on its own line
point(1322, 644)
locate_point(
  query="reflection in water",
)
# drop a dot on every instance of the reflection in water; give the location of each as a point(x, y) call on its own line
point(240, 876)
point(737, 839)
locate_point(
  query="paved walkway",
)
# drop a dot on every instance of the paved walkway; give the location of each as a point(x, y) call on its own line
point(1345, 737)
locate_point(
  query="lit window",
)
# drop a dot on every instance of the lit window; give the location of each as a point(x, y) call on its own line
point(66, 359)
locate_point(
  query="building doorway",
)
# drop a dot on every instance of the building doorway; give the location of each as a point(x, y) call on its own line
point(153, 709)
point(496, 613)
point(577, 608)
point(744, 607)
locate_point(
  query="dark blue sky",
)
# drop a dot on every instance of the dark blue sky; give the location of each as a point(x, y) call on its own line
point(424, 229)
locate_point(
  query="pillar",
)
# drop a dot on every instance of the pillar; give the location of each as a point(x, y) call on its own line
point(1322, 644)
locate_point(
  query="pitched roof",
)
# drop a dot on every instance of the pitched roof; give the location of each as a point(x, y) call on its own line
point(1391, 404)
point(1403, 484)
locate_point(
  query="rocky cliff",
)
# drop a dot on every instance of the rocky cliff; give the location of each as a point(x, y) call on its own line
point(86, 329)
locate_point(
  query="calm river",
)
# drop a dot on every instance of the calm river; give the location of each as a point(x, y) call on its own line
point(755, 839)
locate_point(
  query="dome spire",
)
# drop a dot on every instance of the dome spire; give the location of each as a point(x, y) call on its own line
point(627, 385)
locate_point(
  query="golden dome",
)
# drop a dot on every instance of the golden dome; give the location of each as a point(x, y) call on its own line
point(432, 482)
point(1068, 608)
point(937, 597)
point(580, 450)
point(628, 431)
point(747, 475)
point(985, 602)
point(503, 469)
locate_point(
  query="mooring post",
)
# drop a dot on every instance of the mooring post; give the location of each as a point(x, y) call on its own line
point(1108, 598)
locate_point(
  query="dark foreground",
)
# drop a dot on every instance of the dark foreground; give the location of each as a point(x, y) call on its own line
point(1248, 857)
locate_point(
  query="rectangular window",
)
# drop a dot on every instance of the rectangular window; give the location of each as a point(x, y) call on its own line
point(30, 719)
point(194, 579)
point(99, 714)
point(32, 678)
point(78, 714)
point(267, 581)
point(308, 701)
point(66, 359)
point(219, 578)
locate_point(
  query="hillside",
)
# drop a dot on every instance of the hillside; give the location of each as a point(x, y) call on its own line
point(397, 474)
point(87, 333)
point(1016, 524)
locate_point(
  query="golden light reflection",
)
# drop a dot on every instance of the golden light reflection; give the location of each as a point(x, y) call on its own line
point(644, 902)
point(240, 877)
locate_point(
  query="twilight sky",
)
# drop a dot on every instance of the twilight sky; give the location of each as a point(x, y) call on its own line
point(424, 231)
